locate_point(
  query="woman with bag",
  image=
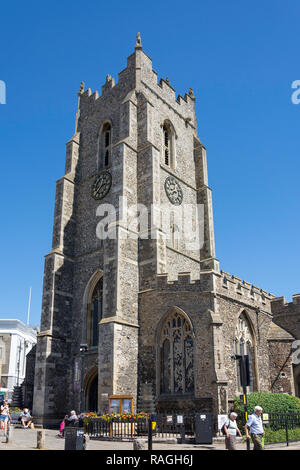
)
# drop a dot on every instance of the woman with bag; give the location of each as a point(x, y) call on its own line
point(231, 430)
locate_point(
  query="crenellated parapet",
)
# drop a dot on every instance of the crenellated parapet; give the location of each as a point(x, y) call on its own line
point(161, 89)
point(183, 282)
point(233, 285)
point(287, 314)
point(227, 284)
point(281, 306)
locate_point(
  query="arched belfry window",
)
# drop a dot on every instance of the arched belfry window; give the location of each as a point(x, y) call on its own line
point(176, 355)
point(95, 313)
point(244, 345)
point(174, 236)
point(106, 144)
point(168, 144)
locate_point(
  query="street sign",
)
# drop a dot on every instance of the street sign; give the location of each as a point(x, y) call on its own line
point(265, 418)
point(221, 421)
point(179, 419)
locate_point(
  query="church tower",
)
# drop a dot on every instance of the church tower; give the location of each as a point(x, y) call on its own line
point(132, 273)
point(136, 145)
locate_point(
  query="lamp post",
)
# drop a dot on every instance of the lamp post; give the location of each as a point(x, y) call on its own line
point(83, 348)
point(18, 364)
point(245, 382)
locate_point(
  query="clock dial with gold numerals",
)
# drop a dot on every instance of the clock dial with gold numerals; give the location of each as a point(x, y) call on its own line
point(173, 191)
point(101, 185)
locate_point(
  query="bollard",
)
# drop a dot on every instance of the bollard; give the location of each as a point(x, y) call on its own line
point(9, 435)
point(139, 444)
point(40, 435)
point(182, 432)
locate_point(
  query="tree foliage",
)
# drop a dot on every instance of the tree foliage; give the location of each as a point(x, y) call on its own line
point(270, 403)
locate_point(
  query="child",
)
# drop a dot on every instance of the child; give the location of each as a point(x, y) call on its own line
point(62, 427)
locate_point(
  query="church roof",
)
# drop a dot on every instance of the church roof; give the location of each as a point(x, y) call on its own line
point(276, 333)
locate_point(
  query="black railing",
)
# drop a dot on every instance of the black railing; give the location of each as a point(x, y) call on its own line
point(164, 426)
point(99, 428)
point(284, 422)
point(174, 425)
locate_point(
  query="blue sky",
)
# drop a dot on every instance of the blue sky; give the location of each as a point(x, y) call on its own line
point(240, 58)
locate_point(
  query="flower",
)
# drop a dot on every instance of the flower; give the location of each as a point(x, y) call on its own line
point(110, 417)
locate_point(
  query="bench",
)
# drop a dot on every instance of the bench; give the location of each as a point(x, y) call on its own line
point(15, 419)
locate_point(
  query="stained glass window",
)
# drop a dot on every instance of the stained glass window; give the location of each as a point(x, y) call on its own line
point(177, 356)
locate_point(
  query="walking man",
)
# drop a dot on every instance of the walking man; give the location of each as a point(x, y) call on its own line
point(255, 425)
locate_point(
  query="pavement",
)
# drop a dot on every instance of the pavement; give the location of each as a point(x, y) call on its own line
point(26, 439)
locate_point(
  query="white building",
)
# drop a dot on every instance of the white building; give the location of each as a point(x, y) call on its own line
point(16, 340)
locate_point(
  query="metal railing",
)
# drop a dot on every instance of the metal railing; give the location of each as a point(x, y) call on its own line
point(165, 426)
point(174, 425)
point(99, 428)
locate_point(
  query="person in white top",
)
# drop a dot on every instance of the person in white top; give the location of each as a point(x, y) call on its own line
point(4, 414)
point(26, 419)
point(231, 430)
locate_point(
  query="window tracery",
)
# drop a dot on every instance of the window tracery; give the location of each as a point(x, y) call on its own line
point(177, 355)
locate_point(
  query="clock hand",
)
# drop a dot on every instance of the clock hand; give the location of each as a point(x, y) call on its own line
point(99, 187)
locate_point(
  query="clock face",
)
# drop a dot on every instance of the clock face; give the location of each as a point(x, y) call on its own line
point(101, 185)
point(173, 191)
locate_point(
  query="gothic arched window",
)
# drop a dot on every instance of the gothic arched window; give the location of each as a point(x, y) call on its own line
point(106, 144)
point(176, 356)
point(168, 144)
point(174, 236)
point(95, 314)
point(244, 345)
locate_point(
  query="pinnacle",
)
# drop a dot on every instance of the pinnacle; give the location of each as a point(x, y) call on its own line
point(138, 44)
point(81, 88)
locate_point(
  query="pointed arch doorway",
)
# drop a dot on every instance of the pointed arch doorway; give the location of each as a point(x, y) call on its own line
point(91, 396)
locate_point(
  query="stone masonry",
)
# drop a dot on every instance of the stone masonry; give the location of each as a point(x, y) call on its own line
point(287, 316)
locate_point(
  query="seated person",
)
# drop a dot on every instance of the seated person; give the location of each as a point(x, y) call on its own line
point(72, 420)
point(62, 427)
point(25, 418)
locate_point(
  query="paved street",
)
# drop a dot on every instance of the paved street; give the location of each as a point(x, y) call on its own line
point(26, 439)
